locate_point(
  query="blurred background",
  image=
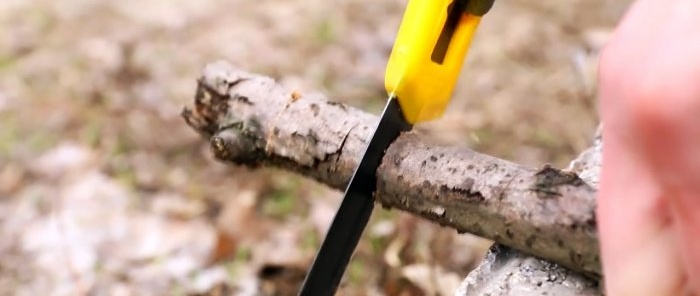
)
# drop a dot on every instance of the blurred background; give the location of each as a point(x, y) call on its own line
point(105, 191)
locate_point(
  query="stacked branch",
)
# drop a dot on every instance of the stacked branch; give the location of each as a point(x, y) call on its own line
point(251, 120)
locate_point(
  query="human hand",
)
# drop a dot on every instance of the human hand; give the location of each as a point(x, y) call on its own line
point(649, 198)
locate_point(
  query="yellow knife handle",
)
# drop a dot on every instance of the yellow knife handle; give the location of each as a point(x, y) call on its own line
point(428, 54)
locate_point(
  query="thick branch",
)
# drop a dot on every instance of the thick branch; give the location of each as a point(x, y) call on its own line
point(253, 121)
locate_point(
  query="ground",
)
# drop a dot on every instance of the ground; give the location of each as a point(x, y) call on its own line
point(105, 191)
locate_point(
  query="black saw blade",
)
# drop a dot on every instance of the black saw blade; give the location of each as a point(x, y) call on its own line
point(356, 208)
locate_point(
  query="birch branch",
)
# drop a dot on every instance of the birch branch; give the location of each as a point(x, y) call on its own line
point(251, 120)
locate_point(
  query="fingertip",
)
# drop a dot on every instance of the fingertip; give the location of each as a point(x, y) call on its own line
point(686, 211)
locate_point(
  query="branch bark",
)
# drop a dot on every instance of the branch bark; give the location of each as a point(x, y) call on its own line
point(508, 272)
point(250, 120)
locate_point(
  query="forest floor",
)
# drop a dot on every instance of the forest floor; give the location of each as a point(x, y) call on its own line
point(105, 191)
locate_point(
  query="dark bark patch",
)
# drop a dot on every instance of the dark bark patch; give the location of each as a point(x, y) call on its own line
point(237, 125)
point(341, 106)
point(232, 145)
point(335, 156)
point(242, 99)
point(315, 109)
point(397, 159)
point(471, 196)
point(491, 167)
point(209, 107)
point(591, 222)
point(477, 229)
point(575, 257)
point(468, 183)
point(530, 240)
point(548, 180)
point(231, 84)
